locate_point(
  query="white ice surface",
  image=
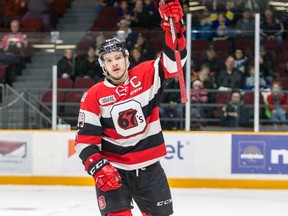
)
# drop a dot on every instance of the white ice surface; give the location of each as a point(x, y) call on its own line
point(81, 201)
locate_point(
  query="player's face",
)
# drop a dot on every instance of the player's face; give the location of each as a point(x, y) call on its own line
point(116, 65)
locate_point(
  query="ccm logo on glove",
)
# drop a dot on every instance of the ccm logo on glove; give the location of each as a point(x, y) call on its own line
point(105, 175)
point(97, 166)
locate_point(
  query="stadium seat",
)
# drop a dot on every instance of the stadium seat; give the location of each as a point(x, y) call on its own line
point(201, 45)
point(2, 73)
point(223, 45)
point(71, 107)
point(34, 23)
point(282, 58)
point(285, 44)
point(155, 34)
point(271, 45)
point(47, 100)
point(63, 83)
point(221, 99)
point(246, 45)
point(72, 103)
point(83, 83)
point(83, 45)
point(105, 22)
point(109, 12)
point(248, 100)
point(157, 44)
point(282, 71)
point(59, 7)
point(222, 55)
point(285, 85)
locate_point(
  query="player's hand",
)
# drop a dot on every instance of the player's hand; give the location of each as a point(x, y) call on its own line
point(108, 178)
point(171, 9)
point(179, 27)
point(105, 175)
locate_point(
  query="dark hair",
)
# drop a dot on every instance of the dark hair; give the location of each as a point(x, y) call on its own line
point(236, 91)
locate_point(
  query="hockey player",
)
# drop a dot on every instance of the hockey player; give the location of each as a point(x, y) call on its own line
point(119, 137)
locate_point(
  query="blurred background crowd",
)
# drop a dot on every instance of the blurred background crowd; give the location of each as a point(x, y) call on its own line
point(222, 50)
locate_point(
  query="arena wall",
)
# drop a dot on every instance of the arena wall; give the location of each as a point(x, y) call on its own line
point(194, 159)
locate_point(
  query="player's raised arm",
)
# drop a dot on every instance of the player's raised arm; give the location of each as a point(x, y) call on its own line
point(172, 23)
point(172, 10)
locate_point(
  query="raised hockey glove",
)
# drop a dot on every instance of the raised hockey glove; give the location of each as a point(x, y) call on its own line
point(105, 175)
point(171, 9)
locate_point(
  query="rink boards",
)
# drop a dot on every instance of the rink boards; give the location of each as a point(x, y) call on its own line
point(194, 159)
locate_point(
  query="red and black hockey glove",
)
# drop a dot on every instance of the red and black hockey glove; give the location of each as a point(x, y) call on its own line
point(105, 175)
point(171, 9)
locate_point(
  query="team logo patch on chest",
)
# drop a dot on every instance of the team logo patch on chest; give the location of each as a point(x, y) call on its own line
point(128, 118)
point(108, 99)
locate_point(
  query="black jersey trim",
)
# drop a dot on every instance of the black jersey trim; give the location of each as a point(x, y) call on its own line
point(90, 130)
point(87, 152)
point(147, 143)
point(170, 53)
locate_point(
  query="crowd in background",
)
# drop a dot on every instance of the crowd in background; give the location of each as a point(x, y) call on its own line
point(216, 68)
point(213, 68)
point(19, 17)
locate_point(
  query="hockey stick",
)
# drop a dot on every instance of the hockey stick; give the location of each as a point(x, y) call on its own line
point(184, 98)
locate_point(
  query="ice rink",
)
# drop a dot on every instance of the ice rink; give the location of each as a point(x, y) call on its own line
point(80, 201)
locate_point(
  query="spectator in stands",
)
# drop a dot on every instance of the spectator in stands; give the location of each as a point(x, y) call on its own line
point(14, 9)
point(146, 49)
point(206, 77)
point(234, 113)
point(266, 64)
point(249, 83)
point(170, 106)
point(154, 17)
point(12, 50)
point(271, 28)
point(100, 38)
point(221, 21)
point(241, 62)
point(140, 16)
point(100, 4)
point(202, 30)
point(66, 65)
point(13, 45)
point(208, 83)
point(229, 77)
point(135, 58)
point(252, 5)
point(277, 103)
point(246, 25)
point(212, 60)
point(199, 97)
point(198, 93)
point(126, 34)
point(89, 66)
point(39, 9)
point(185, 8)
point(123, 10)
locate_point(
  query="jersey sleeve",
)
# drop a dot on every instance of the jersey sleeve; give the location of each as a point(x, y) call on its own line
point(168, 65)
point(89, 129)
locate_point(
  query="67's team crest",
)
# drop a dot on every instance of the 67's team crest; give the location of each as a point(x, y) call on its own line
point(101, 202)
